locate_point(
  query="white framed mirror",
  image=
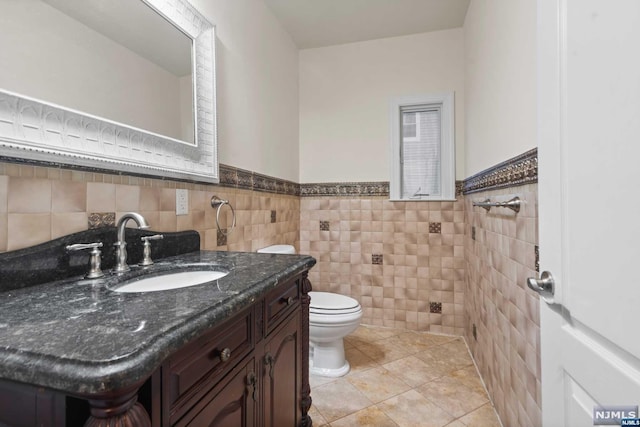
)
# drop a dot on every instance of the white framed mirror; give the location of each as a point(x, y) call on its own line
point(92, 122)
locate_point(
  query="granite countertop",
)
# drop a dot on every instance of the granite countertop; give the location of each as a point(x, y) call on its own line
point(79, 337)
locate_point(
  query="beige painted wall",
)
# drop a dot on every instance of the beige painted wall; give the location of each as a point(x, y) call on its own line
point(257, 80)
point(500, 81)
point(344, 101)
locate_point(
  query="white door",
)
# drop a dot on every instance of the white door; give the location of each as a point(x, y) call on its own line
point(589, 206)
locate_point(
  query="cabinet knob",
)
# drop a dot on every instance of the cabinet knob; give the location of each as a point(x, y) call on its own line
point(288, 301)
point(225, 355)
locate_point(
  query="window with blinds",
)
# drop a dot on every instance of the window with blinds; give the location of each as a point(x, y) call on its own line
point(423, 152)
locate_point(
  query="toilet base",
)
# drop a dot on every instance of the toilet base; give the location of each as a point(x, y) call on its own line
point(327, 359)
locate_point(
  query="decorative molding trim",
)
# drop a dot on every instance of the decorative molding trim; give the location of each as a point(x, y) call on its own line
point(520, 170)
point(36, 130)
point(345, 189)
point(459, 188)
point(239, 178)
point(352, 189)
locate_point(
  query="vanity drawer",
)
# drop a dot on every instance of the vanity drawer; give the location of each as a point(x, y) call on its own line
point(190, 373)
point(280, 302)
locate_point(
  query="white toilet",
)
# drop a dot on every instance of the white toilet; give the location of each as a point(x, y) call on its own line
point(331, 318)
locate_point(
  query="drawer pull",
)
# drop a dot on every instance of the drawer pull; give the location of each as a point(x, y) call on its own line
point(225, 355)
point(288, 301)
point(269, 360)
point(251, 385)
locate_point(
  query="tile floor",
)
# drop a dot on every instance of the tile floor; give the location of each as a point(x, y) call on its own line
point(403, 378)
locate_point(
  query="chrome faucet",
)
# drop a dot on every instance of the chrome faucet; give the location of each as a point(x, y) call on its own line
point(121, 244)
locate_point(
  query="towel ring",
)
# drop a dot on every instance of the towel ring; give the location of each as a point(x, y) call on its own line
point(217, 202)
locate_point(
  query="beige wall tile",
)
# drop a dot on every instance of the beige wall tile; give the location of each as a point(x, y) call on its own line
point(498, 262)
point(68, 196)
point(67, 223)
point(127, 198)
point(168, 221)
point(153, 219)
point(28, 229)
point(149, 199)
point(4, 193)
point(168, 199)
point(3, 231)
point(184, 222)
point(101, 197)
point(394, 234)
point(29, 195)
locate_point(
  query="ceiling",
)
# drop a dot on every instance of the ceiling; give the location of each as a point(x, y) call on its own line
point(317, 23)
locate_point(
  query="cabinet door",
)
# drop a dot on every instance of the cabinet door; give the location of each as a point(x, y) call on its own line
point(282, 375)
point(26, 406)
point(231, 404)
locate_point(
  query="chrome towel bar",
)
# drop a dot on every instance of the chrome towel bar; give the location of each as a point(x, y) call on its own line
point(513, 204)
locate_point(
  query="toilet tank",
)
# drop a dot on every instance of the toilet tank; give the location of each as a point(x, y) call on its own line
point(278, 249)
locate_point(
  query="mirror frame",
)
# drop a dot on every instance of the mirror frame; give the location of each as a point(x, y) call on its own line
point(37, 131)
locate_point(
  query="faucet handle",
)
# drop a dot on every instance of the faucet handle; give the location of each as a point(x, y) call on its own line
point(154, 237)
point(94, 260)
point(82, 246)
point(146, 251)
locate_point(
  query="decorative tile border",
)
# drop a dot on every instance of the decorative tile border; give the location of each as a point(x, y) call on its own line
point(351, 189)
point(101, 219)
point(247, 180)
point(348, 189)
point(520, 170)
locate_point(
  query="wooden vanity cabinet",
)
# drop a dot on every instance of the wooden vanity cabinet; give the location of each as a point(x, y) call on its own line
point(250, 370)
point(246, 372)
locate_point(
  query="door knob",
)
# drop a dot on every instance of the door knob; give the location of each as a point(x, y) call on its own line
point(545, 285)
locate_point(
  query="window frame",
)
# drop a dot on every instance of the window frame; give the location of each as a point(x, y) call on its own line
point(445, 101)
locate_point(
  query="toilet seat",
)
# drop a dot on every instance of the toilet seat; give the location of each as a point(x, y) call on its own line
point(326, 303)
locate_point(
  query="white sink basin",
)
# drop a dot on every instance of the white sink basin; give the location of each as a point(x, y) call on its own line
point(168, 281)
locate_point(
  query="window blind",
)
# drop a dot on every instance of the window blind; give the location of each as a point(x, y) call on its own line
point(421, 152)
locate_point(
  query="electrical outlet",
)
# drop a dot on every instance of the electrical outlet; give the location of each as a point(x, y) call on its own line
point(182, 202)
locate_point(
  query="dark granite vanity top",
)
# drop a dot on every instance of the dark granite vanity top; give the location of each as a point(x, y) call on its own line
point(77, 336)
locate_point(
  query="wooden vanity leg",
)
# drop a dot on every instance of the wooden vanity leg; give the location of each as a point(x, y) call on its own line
point(122, 410)
point(305, 401)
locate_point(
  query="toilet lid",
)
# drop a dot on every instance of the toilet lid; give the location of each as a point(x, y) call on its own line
point(326, 302)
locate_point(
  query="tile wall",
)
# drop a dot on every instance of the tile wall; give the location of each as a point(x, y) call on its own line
point(403, 261)
point(500, 253)
point(38, 204)
point(432, 266)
